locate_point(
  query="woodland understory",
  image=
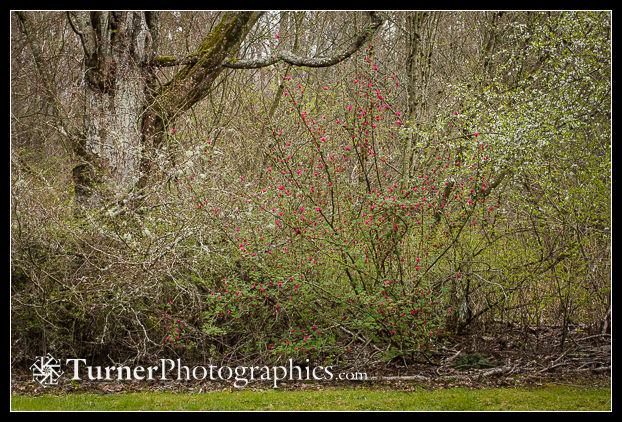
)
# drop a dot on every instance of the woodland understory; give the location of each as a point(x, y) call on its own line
point(416, 194)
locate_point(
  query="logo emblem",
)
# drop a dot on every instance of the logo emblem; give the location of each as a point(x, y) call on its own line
point(46, 370)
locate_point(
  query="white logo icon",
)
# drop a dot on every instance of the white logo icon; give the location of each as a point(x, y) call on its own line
point(46, 370)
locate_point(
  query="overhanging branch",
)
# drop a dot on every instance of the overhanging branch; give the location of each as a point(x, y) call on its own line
point(287, 56)
point(291, 58)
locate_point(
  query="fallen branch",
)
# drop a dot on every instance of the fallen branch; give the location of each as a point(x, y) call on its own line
point(499, 370)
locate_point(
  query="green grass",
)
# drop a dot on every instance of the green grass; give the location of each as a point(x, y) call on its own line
point(550, 398)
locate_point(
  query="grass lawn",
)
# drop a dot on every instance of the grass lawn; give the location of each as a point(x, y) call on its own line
point(547, 398)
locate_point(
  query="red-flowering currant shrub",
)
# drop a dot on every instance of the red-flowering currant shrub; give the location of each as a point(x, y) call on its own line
point(335, 249)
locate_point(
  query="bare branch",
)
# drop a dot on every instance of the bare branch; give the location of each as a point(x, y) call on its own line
point(293, 59)
point(286, 56)
point(27, 27)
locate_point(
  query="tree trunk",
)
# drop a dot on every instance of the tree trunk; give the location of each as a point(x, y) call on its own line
point(112, 124)
point(119, 86)
point(422, 28)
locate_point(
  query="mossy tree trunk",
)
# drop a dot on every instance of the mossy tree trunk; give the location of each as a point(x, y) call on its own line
point(126, 113)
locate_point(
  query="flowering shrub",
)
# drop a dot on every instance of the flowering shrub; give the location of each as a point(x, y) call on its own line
point(335, 249)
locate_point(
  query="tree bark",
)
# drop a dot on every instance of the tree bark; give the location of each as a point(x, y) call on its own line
point(422, 36)
point(118, 88)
